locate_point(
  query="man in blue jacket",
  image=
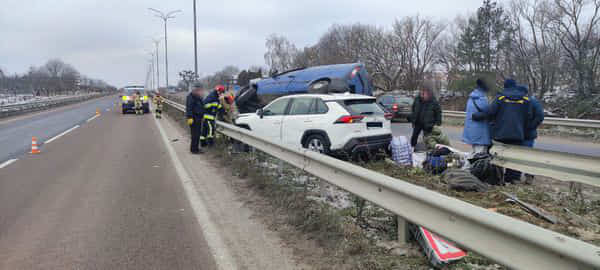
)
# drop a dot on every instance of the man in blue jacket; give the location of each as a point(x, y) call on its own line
point(537, 117)
point(194, 112)
point(477, 128)
point(510, 113)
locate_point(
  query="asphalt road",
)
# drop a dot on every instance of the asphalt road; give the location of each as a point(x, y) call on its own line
point(544, 142)
point(104, 196)
point(16, 133)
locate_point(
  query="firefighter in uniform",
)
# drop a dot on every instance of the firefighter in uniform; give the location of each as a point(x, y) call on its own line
point(137, 103)
point(158, 104)
point(212, 107)
point(229, 111)
point(194, 112)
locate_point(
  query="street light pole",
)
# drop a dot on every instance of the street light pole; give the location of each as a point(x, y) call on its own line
point(152, 72)
point(195, 43)
point(156, 44)
point(165, 18)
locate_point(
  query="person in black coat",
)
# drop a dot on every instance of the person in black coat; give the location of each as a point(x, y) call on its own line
point(194, 112)
point(426, 113)
point(511, 113)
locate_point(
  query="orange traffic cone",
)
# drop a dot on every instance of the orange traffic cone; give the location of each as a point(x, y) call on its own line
point(34, 146)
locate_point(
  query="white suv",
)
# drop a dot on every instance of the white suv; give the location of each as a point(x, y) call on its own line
point(337, 124)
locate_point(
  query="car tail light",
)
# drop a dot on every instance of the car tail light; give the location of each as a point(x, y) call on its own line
point(389, 116)
point(354, 72)
point(395, 107)
point(349, 119)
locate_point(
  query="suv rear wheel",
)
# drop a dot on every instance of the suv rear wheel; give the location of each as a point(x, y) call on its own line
point(317, 143)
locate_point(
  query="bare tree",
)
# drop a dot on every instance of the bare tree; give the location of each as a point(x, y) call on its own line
point(418, 39)
point(280, 53)
point(576, 24)
point(187, 77)
point(537, 50)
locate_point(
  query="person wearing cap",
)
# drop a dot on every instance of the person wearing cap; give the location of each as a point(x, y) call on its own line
point(194, 112)
point(510, 114)
point(212, 107)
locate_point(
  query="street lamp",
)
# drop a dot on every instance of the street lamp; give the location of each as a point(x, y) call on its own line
point(156, 42)
point(154, 87)
point(165, 18)
point(195, 43)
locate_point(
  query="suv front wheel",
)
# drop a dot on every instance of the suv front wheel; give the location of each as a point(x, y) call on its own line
point(317, 143)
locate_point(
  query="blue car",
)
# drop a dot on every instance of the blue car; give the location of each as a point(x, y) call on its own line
point(352, 78)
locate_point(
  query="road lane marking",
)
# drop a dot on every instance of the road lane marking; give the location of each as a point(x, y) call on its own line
point(62, 134)
point(93, 117)
point(8, 162)
point(215, 242)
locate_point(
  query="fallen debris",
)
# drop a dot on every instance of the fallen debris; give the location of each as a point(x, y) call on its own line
point(461, 180)
point(530, 208)
point(439, 251)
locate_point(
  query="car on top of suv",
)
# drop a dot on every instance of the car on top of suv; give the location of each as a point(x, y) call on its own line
point(343, 125)
point(341, 78)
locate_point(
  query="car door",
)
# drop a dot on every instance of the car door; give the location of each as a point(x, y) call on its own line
point(269, 126)
point(298, 120)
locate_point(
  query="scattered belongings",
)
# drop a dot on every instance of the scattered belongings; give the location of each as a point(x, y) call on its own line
point(402, 151)
point(530, 208)
point(461, 180)
point(482, 168)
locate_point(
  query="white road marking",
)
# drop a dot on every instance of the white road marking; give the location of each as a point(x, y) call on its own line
point(215, 243)
point(93, 117)
point(8, 162)
point(62, 134)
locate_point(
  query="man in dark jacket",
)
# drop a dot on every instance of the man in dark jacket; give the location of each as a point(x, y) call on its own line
point(510, 113)
point(426, 113)
point(194, 112)
point(537, 117)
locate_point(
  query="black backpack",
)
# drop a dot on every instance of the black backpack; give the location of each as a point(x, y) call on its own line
point(484, 170)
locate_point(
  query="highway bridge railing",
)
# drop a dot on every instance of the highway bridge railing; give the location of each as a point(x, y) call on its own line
point(506, 240)
point(14, 109)
point(549, 121)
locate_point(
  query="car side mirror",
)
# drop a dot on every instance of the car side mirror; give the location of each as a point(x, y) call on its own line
point(260, 113)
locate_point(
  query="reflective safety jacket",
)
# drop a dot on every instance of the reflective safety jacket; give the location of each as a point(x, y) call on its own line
point(158, 101)
point(212, 106)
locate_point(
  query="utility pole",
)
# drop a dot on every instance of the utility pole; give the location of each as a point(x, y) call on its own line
point(195, 42)
point(152, 72)
point(165, 18)
point(156, 44)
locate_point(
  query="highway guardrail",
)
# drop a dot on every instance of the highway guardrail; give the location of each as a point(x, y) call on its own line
point(557, 165)
point(549, 121)
point(506, 240)
point(14, 109)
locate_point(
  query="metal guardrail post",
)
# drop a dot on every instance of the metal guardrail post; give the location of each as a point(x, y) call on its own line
point(403, 233)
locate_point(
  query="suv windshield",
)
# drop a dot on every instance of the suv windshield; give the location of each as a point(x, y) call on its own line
point(362, 107)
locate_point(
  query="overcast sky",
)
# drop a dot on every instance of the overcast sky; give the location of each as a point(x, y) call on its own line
point(110, 39)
